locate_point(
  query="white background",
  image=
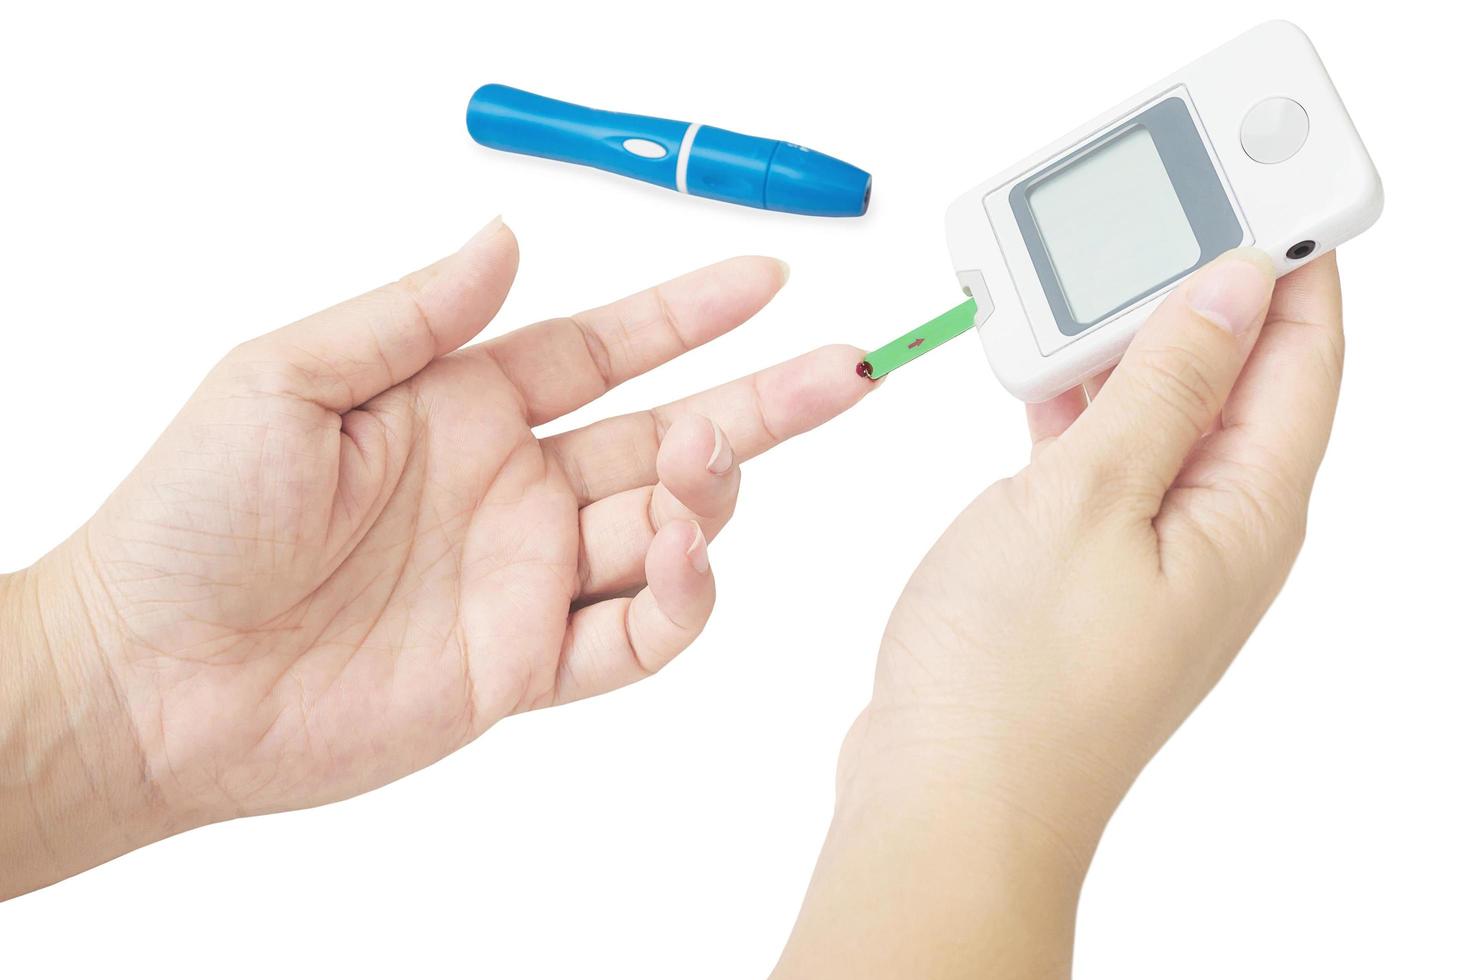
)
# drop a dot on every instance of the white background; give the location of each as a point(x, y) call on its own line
point(176, 181)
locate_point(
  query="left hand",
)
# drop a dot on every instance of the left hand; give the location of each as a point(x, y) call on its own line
point(350, 554)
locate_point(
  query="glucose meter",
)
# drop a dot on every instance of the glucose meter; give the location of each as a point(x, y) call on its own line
point(1067, 252)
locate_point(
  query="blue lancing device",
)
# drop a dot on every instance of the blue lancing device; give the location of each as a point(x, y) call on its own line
point(687, 157)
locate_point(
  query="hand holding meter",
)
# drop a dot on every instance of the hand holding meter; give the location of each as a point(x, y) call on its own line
point(1066, 253)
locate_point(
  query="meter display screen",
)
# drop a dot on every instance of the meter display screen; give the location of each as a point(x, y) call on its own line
point(1112, 225)
point(1124, 215)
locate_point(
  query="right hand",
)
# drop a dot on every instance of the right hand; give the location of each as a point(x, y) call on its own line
point(1073, 616)
point(1065, 625)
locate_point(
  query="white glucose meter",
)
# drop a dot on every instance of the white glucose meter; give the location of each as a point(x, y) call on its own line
point(1066, 253)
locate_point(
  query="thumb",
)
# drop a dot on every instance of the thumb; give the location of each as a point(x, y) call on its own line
point(345, 355)
point(1176, 374)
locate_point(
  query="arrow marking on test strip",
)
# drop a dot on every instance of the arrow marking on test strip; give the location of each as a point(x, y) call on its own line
point(916, 343)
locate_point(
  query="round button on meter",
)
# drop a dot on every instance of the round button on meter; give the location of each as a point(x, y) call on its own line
point(1274, 130)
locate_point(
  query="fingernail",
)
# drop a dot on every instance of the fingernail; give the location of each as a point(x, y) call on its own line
point(698, 553)
point(1233, 291)
point(785, 271)
point(723, 457)
point(496, 223)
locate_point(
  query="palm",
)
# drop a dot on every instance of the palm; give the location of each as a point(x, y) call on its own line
point(318, 592)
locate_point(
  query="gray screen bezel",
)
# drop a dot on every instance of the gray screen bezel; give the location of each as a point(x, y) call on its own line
point(1196, 182)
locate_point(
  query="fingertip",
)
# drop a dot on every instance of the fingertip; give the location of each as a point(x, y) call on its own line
point(694, 447)
point(1252, 255)
point(839, 361)
point(678, 573)
point(721, 455)
point(1232, 292)
point(766, 269)
point(814, 388)
point(760, 276)
point(673, 549)
point(467, 289)
point(487, 231)
point(1051, 418)
point(1177, 374)
point(784, 268)
point(844, 353)
point(494, 245)
point(856, 385)
point(696, 467)
point(697, 553)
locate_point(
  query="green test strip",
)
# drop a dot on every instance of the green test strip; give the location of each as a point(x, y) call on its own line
point(916, 343)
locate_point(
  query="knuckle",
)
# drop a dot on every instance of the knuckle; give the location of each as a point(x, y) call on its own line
point(1087, 491)
point(598, 354)
point(1055, 502)
point(253, 365)
point(1247, 533)
point(658, 510)
point(1325, 339)
point(671, 319)
point(412, 312)
point(259, 367)
point(1276, 505)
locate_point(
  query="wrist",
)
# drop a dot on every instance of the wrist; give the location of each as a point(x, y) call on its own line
point(931, 871)
point(985, 762)
point(74, 787)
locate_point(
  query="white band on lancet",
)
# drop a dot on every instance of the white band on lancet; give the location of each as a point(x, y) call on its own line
point(681, 169)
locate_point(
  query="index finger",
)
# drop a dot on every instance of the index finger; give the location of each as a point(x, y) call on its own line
point(756, 412)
